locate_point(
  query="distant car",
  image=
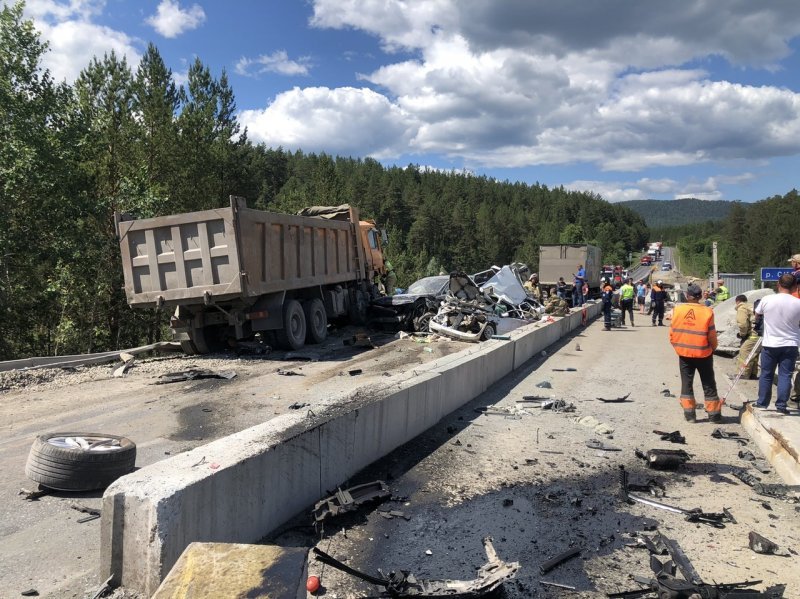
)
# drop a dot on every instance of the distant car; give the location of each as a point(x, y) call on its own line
point(666, 266)
point(412, 310)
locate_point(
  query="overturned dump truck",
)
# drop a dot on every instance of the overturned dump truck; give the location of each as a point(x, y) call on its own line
point(232, 272)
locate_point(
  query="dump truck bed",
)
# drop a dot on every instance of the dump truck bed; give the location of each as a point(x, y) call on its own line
point(233, 253)
point(561, 260)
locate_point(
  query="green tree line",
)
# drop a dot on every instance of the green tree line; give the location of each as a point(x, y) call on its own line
point(131, 140)
point(761, 234)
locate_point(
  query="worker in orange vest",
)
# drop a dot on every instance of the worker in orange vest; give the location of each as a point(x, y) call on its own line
point(694, 337)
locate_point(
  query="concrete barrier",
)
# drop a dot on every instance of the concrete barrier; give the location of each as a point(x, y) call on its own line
point(240, 488)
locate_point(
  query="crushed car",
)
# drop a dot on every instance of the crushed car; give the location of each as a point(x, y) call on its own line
point(472, 313)
point(413, 309)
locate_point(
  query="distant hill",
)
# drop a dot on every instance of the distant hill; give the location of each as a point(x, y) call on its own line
point(669, 213)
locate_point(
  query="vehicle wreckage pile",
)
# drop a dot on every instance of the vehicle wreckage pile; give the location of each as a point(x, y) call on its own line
point(468, 308)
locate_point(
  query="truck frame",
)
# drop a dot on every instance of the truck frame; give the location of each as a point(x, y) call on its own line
point(233, 272)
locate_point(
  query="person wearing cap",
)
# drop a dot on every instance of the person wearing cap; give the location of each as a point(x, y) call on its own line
point(533, 288)
point(693, 335)
point(781, 312)
point(795, 262)
point(607, 297)
point(626, 293)
point(658, 301)
point(722, 292)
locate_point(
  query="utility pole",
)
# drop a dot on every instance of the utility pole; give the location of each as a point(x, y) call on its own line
point(714, 265)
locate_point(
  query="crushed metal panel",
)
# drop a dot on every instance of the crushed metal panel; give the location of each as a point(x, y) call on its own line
point(506, 286)
point(348, 500)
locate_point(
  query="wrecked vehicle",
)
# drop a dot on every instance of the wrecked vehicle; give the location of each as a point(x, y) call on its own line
point(349, 500)
point(401, 584)
point(472, 313)
point(412, 310)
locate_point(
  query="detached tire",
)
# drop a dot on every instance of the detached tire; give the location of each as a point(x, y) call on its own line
point(79, 461)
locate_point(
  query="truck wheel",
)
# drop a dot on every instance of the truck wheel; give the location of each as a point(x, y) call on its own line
point(316, 321)
point(293, 333)
point(79, 461)
point(488, 332)
point(207, 340)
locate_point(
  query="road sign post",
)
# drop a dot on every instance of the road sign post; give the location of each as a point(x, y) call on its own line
point(773, 273)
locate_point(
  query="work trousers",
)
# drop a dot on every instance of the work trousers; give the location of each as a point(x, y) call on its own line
point(705, 368)
point(783, 358)
point(751, 367)
point(577, 297)
point(607, 314)
point(626, 305)
point(658, 312)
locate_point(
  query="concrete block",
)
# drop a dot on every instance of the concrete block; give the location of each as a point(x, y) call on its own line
point(214, 570)
point(778, 438)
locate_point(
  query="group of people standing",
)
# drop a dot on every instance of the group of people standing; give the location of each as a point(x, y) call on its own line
point(775, 319)
point(628, 294)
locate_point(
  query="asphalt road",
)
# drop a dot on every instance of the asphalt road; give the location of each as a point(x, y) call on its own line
point(42, 546)
point(528, 480)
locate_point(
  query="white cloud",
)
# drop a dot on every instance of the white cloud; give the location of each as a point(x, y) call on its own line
point(277, 62)
point(74, 39)
point(171, 20)
point(344, 121)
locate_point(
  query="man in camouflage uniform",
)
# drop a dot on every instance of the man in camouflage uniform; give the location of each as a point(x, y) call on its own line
point(556, 306)
point(745, 321)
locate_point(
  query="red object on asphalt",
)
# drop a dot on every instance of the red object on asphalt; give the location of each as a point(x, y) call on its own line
point(312, 584)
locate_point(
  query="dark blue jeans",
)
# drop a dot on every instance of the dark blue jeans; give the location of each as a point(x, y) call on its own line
point(783, 358)
point(577, 297)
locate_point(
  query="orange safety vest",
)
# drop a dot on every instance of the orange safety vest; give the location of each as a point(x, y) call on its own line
point(692, 331)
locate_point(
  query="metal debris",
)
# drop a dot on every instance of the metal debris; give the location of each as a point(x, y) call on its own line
point(284, 372)
point(127, 364)
point(349, 500)
point(94, 514)
point(733, 436)
point(673, 437)
point(28, 495)
point(559, 559)
point(761, 544)
point(667, 585)
point(298, 406)
point(355, 372)
point(402, 584)
point(544, 385)
point(556, 585)
point(777, 491)
point(597, 444)
point(568, 369)
point(622, 399)
point(759, 464)
point(717, 520)
point(664, 459)
point(193, 374)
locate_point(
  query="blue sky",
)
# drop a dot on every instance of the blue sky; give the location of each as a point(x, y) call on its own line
point(628, 99)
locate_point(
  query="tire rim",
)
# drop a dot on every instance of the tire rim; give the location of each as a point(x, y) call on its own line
point(86, 443)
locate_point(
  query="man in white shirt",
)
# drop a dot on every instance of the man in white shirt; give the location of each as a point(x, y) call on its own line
point(781, 314)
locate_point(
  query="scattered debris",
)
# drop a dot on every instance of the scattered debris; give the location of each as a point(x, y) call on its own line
point(597, 444)
point(104, 588)
point(30, 593)
point(673, 437)
point(761, 544)
point(355, 372)
point(94, 514)
point(664, 459)
point(193, 374)
point(667, 585)
point(284, 372)
point(359, 340)
point(502, 337)
point(349, 500)
point(298, 406)
point(559, 559)
point(391, 514)
point(402, 584)
point(666, 393)
point(568, 369)
point(601, 428)
point(623, 399)
point(652, 486)
point(717, 520)
point(759, 464)
point(777, 491)
point(34, 495)
point(127, 364)
point(544, 385)
point(721, 434)
point(557, 585)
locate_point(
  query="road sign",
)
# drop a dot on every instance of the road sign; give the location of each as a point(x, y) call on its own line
point(774, 273)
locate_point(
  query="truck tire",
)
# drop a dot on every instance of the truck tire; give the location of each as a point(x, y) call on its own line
point(316, 321)
point(79, 461)
point(293, 334)
point(205, 340)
